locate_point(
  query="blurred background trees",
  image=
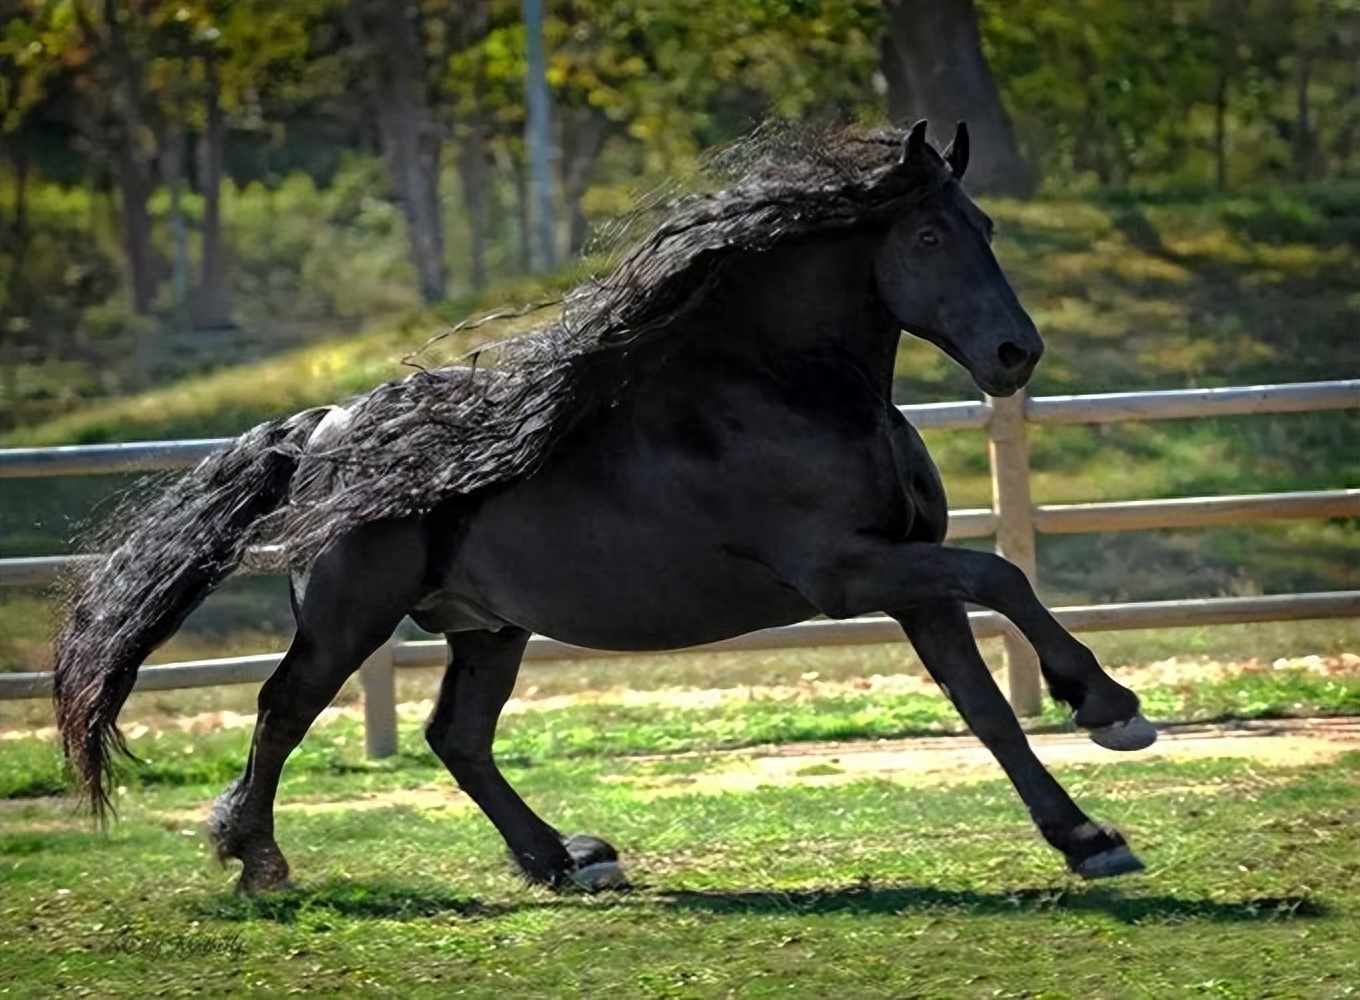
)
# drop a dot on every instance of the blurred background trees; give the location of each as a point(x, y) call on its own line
point(186, 182)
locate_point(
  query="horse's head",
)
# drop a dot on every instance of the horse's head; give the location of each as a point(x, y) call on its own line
point(936, 274)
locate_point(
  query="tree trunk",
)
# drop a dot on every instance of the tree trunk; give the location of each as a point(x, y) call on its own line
point(474, 171)
point(134, 191)
point(901, 102)
point(212, 308)
point(388, 37)
point(519, 175)
point(19, 234)
point(584, 130)
point(132, 162)
point(1228, 16)
point(1303, 126)
point(933, 63)
point(1343, 145)
point(173, 139)
point(538, 138)
point(468, 28)
point(1221, 132)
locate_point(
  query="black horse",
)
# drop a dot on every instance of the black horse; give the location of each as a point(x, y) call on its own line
point(703, 445)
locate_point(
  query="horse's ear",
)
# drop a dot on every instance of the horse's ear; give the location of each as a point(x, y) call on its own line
point(957, 153)
point(915, 146)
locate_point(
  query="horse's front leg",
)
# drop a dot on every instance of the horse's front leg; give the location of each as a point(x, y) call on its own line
point(945, 644)
point(874, 576)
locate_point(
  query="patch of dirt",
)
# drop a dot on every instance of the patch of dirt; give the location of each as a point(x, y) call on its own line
point(914, 762)
point(962, 759)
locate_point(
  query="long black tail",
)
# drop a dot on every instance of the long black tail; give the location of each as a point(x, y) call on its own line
point(171, 553)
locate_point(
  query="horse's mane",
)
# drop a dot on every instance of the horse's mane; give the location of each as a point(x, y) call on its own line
point(451, 431)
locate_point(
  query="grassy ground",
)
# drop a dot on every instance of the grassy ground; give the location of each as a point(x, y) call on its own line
point(811, 887)
point(628, 722)
point(624, 721)
point(862, 890)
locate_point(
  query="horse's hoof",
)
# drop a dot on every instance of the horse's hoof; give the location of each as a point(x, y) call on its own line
point(587, 850)
point(1109, 863)
point(258, 886)
point(1135, 734)
point(600, 877)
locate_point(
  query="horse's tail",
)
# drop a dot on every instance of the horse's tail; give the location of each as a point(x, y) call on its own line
point(172, 552)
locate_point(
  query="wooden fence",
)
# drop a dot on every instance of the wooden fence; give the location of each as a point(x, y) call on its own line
point(1013, 520)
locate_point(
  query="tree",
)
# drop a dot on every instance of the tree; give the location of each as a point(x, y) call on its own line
point(389, 45)
point(119, 123)
point(463, 84)
point(30, 56)
point(241, 52)
point(538, 137)
point(660, 80)
point(933, 64)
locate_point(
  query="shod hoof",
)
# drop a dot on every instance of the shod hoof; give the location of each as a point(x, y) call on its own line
point(1135, 734)
point(600, 877)
point(1107, 864)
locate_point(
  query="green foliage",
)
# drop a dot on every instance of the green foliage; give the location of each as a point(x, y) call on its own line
point(676, 78)
point(1112, 94)
point(303, 254)
point(1192, 93)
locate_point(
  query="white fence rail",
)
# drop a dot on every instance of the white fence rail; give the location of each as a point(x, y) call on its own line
point(1013, 519)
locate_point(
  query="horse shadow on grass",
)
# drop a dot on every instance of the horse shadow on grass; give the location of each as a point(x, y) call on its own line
point(354, 900)
point(868, 899)
point(392, 901)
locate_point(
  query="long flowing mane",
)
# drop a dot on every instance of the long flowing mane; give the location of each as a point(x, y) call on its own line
point(451, 431)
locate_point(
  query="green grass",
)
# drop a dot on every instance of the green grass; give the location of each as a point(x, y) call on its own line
point(333, 755)
point(861, 890)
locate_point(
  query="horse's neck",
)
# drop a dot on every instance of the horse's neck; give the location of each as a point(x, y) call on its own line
point(812, 296)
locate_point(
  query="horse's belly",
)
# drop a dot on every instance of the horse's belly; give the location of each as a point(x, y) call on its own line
point(602, 580)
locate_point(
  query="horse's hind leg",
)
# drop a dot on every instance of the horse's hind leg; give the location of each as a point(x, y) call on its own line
point(480, 677)
point(914, 574)
point(357, 593)
point(945, 644)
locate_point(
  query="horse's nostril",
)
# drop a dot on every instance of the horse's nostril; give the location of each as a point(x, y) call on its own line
point(1012, 355)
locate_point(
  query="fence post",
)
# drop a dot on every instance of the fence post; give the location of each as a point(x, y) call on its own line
point(378, 677)
point(1008, 450)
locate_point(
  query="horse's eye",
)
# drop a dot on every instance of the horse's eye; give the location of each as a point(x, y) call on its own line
point(928, 238)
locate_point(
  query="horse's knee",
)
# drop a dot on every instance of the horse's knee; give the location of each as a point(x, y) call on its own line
point(1003, 577)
